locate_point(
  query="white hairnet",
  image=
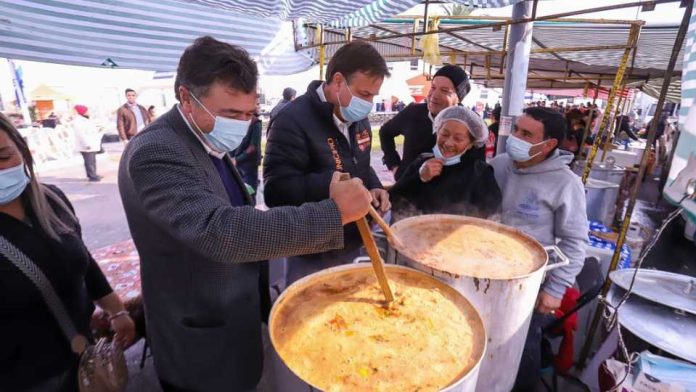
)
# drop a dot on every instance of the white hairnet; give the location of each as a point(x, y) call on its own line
point(477, 128)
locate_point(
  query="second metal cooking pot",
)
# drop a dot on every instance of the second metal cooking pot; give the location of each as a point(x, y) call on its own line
point(505, 305)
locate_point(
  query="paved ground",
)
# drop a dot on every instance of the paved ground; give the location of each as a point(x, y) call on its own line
point(98, 204)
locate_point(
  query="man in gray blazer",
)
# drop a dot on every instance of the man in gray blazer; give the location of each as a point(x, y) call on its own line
point(198, 235)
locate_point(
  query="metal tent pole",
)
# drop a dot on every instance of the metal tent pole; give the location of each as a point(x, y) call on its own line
point(584, 354)
point(505, 44)
point(611, 129)
point(519, 48)
point(588, 124)
point(623, 97)
point(413, 39)
point(632, 40)
point(596, 93)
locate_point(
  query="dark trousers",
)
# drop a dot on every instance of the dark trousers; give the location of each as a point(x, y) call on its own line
point(529, 373)
point(90, 159)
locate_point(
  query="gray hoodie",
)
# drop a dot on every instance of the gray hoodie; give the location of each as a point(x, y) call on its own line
point(547, 201)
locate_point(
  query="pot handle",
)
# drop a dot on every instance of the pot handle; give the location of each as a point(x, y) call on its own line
point(564, 259)
point(362, 259)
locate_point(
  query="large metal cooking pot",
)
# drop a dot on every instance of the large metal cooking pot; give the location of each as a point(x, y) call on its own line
point(505, 305)
point(605, 171)
point(287, 381)
point(602, 189)
point(601, 200)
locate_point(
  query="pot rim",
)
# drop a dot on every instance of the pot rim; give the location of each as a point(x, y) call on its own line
point(532, 244)
point(305, 281)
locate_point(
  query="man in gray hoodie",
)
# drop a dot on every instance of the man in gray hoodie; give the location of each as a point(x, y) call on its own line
point(545, 199)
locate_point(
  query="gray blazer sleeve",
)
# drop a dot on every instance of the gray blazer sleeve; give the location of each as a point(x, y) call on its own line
point(175, 197)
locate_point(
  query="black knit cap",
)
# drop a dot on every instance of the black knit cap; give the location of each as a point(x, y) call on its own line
point(459, 79)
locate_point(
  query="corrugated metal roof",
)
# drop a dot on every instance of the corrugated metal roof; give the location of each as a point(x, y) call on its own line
point(482, 46)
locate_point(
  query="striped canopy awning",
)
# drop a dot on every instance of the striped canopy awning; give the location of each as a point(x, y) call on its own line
point(654, 86)
point(335, 13)
point(137, 34)
point(151, 35)
point(686, 147)
point(689, 76)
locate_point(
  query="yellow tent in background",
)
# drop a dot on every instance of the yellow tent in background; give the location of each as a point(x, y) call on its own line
point(46, 93)
point(45, 97)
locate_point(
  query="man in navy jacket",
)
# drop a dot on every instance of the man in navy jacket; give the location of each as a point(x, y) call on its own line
point(323, 131)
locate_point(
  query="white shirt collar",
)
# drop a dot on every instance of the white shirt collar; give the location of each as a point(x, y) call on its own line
point(342, 126)
point(320, 92)
point(208, 149)
point(322, 97)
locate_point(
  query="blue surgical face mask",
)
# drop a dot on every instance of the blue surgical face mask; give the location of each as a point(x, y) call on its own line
point(227, 133)
point(357, 108)
point(518, 149)
point(13, 181)
point(447, 161)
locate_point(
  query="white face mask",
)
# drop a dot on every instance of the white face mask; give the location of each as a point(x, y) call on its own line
point(357, 108)
point(13, 181)
point(449, 161)
point(227, 133)
point(518, 149)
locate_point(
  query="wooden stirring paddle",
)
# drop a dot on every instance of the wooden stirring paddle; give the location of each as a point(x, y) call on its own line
point(372, 251)
point(375, 258)
point(391, 236)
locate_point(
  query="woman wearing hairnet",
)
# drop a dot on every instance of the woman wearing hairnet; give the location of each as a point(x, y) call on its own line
point(451, 179)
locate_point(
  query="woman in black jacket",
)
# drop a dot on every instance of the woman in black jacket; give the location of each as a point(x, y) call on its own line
point(38, 220)
point(451, 180)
